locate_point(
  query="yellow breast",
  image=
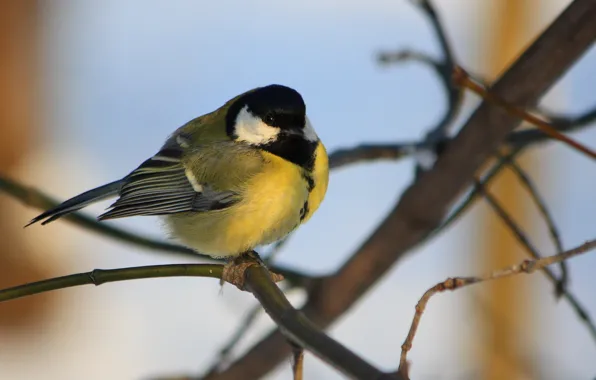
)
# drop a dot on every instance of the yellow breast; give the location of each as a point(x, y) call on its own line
point(273, 204)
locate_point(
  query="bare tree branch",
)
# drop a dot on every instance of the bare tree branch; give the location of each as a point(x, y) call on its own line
point(562, 123)
point(529, 247)
point(300, 330)
point(526, 266)
point(443, 68)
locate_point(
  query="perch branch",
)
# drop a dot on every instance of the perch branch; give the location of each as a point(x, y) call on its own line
point(102, 276)
point(257, 280)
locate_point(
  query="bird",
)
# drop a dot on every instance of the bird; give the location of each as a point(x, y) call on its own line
point(242, 176)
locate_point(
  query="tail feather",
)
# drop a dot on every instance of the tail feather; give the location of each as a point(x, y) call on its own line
point(76, 203)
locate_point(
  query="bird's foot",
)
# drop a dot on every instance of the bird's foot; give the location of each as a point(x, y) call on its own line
point(234, 271)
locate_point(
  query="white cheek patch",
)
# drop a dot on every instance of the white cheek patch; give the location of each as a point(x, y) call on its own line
point(309, 131)
point(252, 129)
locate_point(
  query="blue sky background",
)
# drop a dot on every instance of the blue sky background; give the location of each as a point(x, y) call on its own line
point(121, 75)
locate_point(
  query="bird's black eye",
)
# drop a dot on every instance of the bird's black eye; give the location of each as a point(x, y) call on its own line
point(270, 119)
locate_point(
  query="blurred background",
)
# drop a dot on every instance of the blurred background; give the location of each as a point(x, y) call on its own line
point(90, 89)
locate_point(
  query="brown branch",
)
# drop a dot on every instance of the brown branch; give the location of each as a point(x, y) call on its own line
point(423, 206)
point(533, 251)
point(526, 266)
point(462, 78)
point(562, 123)
point(302, 332)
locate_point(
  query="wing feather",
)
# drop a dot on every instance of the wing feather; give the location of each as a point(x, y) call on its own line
point(160, 186)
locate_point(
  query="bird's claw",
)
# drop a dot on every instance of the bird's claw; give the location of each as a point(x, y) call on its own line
point(234, 271)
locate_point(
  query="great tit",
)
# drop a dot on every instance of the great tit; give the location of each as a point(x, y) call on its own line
point(244, 175)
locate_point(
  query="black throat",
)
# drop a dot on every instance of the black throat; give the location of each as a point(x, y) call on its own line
point(295, 149)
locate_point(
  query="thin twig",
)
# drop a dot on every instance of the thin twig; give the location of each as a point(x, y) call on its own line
point(546, 215)
point(526, 266)
point(525, 242)
point(297, 361)
point(474, 193)
point(443, 69)
point(225, 352)
point(462, 78)
point(562, 123)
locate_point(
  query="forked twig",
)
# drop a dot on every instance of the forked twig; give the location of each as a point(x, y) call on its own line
point(526, 266)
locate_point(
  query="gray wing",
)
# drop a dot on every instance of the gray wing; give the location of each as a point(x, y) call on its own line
point(160, 186)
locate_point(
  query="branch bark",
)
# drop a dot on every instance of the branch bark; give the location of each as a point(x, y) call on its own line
point(254, 278)
point(423, 206)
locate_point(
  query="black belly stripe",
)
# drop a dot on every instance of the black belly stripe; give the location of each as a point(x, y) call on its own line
point(304, 211)
point(309, 181)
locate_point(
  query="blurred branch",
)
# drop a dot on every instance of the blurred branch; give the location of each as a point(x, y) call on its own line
point(546, 215)
point(224, 356)
point(297, 361)
point(533, 251)
point(255, 279)
point(423, 206)
point(473, 194)
point(562, 123)
point(34, 198)
point(370, 152)
point(526, 266)
point(443, 68)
